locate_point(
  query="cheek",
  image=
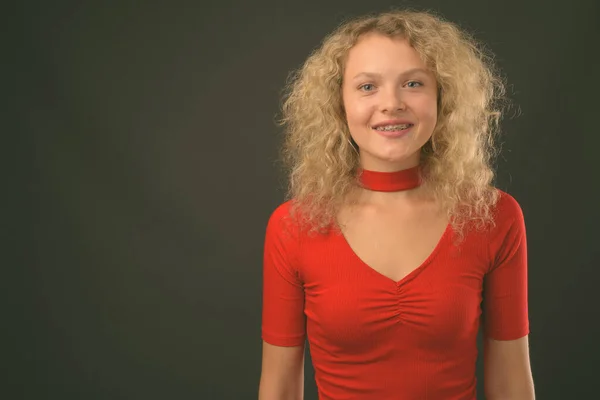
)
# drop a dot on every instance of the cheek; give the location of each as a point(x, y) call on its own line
point(425, 110)
point(428, 108)
point(357, 112)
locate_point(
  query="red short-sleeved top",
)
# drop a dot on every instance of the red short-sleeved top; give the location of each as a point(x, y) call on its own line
point(373, 338)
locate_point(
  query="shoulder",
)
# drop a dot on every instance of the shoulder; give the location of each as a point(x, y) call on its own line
point(280, 213)
point(280, 220)
point(508, 231)
point(281, 245)
point(507, 209)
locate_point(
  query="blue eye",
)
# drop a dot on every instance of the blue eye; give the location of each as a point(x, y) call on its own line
point(366, 87)
point(413, 84)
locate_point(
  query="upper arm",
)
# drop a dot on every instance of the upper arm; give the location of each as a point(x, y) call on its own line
point(506, 319)
point(505, 314)
point(282, 373)
point(283, 320)
point(507, 371)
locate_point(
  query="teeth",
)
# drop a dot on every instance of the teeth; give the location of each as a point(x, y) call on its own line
point(393, 127)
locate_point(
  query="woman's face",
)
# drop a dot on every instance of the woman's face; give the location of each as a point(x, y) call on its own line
point(390, 100)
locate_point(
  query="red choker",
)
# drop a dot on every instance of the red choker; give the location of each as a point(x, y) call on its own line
point(390, 181)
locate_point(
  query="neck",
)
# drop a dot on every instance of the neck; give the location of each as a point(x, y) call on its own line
point(383, 188)
point(392, 181)
point(384, 200)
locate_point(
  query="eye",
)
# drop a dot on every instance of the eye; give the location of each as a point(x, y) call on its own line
point(414, 84)
point(367, 87)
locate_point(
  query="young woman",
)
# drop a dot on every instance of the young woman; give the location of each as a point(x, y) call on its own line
point(394, 243)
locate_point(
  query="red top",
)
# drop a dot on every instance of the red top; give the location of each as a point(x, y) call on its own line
point(373, 338)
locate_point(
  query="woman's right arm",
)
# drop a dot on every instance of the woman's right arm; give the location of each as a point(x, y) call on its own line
point(283, 319)
point(282, 375)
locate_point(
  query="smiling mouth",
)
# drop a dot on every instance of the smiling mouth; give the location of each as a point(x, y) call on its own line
point(393, 128)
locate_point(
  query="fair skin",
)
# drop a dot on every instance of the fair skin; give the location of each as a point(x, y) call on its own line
point(282, 374)
point(394, 232)
point(385, 79)
point(507, 371)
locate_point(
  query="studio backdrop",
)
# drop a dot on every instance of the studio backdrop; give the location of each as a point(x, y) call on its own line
point(153, 173)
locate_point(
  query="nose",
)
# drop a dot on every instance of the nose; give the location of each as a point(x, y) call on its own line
point(392, 101)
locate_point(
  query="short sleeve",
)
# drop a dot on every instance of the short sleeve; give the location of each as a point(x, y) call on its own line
point(283, 320)
point(505, 285)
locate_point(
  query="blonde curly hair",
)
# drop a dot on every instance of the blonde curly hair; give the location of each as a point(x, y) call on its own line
point(321, 158)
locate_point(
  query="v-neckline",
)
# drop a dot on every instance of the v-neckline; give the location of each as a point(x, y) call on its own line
point(412, 274)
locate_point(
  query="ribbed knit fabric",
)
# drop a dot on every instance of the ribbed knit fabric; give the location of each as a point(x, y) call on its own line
point(375, 339)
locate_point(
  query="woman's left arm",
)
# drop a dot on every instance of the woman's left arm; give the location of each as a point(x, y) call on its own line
point(507, 370)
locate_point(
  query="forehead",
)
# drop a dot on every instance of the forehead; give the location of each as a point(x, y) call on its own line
point(375, 52)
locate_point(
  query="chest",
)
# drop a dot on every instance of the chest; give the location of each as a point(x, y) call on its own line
point(393, 244)
point(430, 304)
point(355, 308)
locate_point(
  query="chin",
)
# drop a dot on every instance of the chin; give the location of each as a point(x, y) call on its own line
point(397, 157)
point(404, 157)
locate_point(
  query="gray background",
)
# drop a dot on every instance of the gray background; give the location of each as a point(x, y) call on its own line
point(151, 176)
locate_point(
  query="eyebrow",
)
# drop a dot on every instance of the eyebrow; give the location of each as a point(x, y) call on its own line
point(376, 75)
